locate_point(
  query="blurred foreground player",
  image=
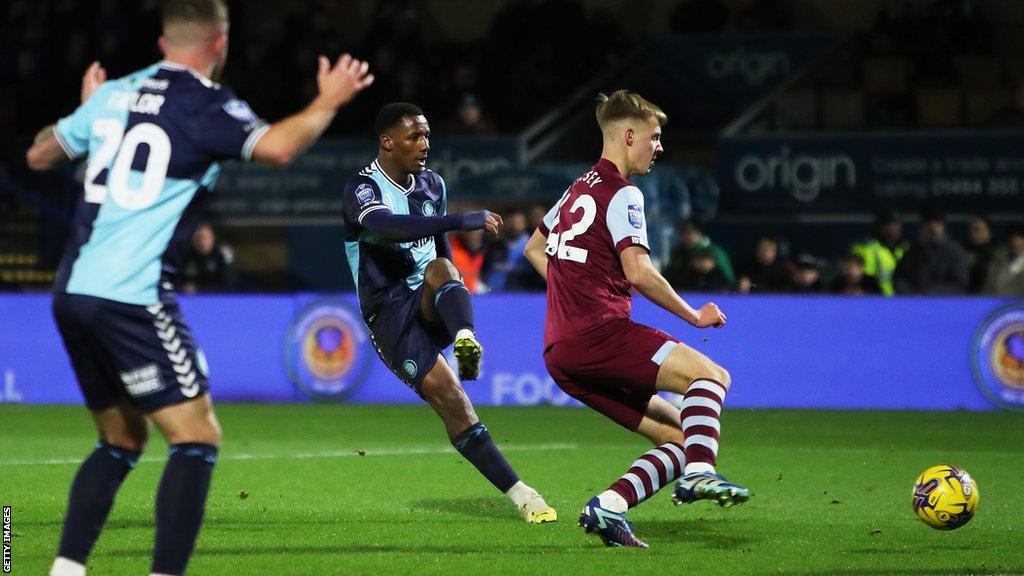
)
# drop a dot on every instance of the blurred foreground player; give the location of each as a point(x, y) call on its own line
point(153, 141)
point(410, 294)
point(592, 248)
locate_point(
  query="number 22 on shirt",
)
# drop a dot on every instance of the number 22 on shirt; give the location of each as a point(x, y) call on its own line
point(558, 243)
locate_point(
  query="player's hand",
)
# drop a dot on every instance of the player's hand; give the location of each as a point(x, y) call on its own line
point(91, 80)
point(710, 315)
point(340, 84)
point(493, 224)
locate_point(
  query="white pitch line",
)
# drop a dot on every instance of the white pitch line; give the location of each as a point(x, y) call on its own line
point(307, 455)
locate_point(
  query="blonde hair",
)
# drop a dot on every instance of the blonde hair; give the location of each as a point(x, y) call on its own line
point(623, 105)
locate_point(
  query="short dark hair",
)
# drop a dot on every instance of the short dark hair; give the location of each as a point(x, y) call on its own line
point(392, 114)
point(194, 11)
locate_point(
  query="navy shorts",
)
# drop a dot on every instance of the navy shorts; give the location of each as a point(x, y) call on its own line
point(143, 354)
point(407, 343)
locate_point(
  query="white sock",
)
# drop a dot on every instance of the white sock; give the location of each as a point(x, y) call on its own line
point(612, 501)
point(465, 333)
point(519, 493)
point(698, 467)
point(64, 567)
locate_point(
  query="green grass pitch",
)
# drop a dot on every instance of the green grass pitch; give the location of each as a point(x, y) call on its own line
point(292, 495)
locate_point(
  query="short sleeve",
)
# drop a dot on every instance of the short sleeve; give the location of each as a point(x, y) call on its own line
point(226, 127)
point(548, 222)
point(626, 221)
point(361, 197)
point(73, 131)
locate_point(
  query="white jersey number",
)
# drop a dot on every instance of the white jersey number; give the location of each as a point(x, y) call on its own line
point(558, 244)
point(128, 190)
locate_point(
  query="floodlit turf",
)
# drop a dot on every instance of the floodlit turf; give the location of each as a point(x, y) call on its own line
point(292, 495)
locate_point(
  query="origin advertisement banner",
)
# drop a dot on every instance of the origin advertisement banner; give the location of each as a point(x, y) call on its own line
point(782, 352)
point(866, 172)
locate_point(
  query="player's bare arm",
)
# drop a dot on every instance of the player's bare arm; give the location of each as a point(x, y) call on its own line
point(337, 85)
point(46, 153)
point(534, 252)
point(641, 273)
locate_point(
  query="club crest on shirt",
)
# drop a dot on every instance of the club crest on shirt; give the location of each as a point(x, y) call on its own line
point(636, 216)
point(364, 193)
point(240, 110)
point(428, 208)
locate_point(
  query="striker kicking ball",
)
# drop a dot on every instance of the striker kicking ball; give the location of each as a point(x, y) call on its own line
point(945, 497)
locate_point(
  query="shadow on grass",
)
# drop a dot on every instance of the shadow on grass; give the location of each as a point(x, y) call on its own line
point(471, 507)
point(343, 549)
point(718, 535)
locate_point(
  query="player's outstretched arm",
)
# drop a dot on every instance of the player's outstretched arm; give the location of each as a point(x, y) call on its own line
point(534, 252)
point(338, 85)
point(640, 271)
point(407, 228)
point(46, 152)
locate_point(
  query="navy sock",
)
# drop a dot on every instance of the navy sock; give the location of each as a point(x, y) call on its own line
point(475, 445)
point(91, 498)
point(180, 502)
point(453, 305)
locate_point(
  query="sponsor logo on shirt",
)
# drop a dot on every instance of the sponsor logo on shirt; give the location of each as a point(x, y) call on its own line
point(240, 110)
point(636, 216)
point(364, 194)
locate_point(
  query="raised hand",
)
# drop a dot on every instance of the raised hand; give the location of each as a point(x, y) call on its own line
point(91, 80)
point(340, 84)
point(709, 315)
point(493, 224)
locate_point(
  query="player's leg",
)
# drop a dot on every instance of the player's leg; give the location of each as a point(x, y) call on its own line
point(193, 436)
point(183, 411)
point(656, 468)
point(123, 433)
point(703, 384)
point(653, 470)
point(446, 299)
point(441, 389)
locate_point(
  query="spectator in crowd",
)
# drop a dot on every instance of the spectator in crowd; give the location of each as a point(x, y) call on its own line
point(209, 265)
point(883, 251)
point(521, 275)
point(468, 254)
point(1006, 272)
point(979, 249)
point(703, 274)
point(934, 264)
point(470, 119)
point(851, 280)
point(806, 276)
point(692, 240)
point(766, 272)
point(535, 216)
